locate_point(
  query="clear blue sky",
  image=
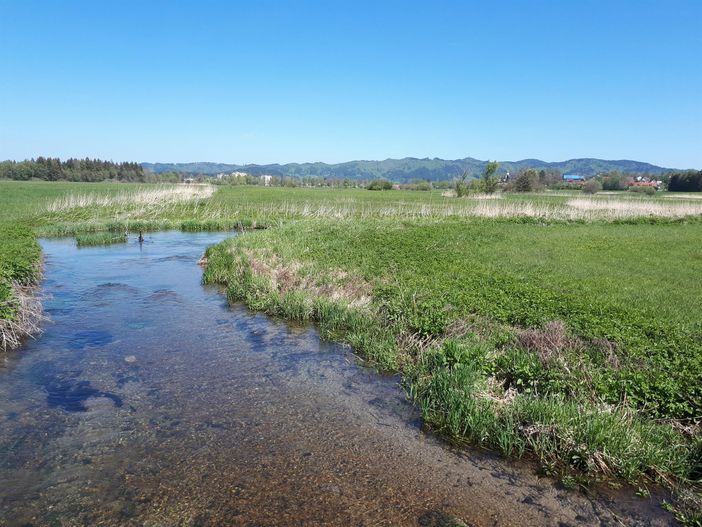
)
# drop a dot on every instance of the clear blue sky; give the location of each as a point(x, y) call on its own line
point(264, 81)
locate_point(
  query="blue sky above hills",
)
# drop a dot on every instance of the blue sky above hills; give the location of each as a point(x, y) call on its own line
point(263, 82)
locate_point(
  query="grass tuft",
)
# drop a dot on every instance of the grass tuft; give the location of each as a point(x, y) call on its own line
point(101, 238)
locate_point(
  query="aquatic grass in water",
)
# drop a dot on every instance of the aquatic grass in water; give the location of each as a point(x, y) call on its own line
point(60, 230)
point(100, 238)
point(214, 225)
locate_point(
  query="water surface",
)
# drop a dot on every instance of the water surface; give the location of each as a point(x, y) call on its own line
point(148, 401)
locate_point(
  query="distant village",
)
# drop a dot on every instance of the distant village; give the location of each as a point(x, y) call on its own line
point(636, 181)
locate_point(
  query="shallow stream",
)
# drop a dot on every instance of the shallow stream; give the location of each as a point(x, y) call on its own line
point(148, 401)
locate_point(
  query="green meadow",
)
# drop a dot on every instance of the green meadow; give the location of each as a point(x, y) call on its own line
point(559, 326)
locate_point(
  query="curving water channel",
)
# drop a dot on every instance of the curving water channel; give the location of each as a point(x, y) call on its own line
point(149, 401)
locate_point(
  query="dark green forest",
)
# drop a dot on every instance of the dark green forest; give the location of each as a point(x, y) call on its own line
point(690, 181)
point(53, 169)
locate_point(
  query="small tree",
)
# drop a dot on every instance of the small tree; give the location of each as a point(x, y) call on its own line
point(461, 184)
point(489, 180)
point(615, 180)
point(527, 181)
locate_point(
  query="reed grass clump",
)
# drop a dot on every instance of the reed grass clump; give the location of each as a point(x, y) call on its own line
point(101, 238)
point(66, 229)
point(214, 225)
point(20, 313)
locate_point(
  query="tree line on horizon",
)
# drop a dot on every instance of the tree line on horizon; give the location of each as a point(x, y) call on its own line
point(530, 179)
point(689, 181)
point(79, 170)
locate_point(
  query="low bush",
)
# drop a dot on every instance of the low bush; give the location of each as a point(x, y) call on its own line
point(591, 186)
point(648, 191)
point(616, 182)
point(379, 184)
point(526, 181)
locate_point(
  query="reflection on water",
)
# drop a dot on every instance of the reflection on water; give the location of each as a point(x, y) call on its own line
point(148, 401)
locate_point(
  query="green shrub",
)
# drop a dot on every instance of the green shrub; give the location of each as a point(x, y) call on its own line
point(379, 184)
point(592, 186)
point(615, 182)
point(468, 350)
point(527, 181)
point(648, 191)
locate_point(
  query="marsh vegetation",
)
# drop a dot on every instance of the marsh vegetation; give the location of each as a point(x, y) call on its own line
point(100, 238)
point(548, 324)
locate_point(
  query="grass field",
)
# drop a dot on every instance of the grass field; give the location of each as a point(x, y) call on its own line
point(555, 325)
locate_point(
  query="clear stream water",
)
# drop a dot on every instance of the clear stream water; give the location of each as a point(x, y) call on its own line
point(148, 401)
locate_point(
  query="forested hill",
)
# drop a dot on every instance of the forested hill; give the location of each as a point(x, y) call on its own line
point(409, 168)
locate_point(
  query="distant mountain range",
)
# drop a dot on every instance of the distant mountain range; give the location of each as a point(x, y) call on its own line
point(409, 168)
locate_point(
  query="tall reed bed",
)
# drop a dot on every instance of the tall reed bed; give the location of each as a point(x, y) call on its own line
point(541, 208)
point(148, 197)
point(182, 203)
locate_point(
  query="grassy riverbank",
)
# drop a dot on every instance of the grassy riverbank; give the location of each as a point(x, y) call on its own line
point(552, 324)
point(19, 271)
point(611, 286)
point(579, 343)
